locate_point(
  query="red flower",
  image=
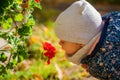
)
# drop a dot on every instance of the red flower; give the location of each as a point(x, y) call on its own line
point(37, 1)
point(49, 51)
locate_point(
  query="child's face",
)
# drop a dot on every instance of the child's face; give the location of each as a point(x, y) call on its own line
point(70, 47)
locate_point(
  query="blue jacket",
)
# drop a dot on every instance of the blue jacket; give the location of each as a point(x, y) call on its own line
point(104, 62)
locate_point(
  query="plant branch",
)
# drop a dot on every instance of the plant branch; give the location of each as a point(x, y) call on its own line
point(14, 21)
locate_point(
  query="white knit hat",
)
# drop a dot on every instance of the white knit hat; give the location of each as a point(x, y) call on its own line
point(79, 23)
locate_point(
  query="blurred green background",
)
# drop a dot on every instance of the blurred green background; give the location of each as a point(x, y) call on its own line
point(60, 69)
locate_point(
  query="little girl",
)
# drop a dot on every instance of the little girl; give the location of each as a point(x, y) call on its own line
point(90, 39)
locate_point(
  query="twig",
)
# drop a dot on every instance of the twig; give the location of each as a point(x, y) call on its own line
point(14, 21)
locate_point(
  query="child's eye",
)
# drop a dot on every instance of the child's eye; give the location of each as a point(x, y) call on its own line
point(82, 45)
point(61, 42)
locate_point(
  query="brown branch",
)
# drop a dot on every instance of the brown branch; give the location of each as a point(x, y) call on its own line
point(14, 21)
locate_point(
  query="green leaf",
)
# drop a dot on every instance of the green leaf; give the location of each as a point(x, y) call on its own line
point(25, 30)
point(38, 5)
point(17, 7)
point(14, 62)
point(13, 40)
point(4, 4)
point(2, 69)
point(19, 17)
point(7, 24)
point(10, 65)
point(22, 52)
point(18, 1)
point(10, 20)
point(3, 57)
point(33, 4)
point(31, 22)
point(1, 11)
point(20, 58)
